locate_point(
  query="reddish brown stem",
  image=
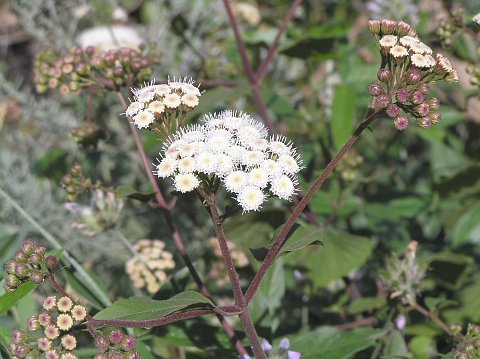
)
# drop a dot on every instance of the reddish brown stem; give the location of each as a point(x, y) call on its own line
point(262, 69)
point(304, 202)
point(177, 240)
point(414, 305)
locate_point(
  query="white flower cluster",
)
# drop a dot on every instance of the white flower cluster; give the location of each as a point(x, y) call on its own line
point(149, 270)
point(419, 54)
point(156, 102)
point(233, 147)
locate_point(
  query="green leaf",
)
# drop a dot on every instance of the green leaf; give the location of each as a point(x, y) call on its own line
point(8, 300)
point(144, 308)
point(469, 303)
point(422, 347)
point(450, 269)
point(300, 236)
point(4, 336)
point(341, 253)
point(142, 349)
point(128, 191)
point(343, 112)
point(406, 207)
point(395, 347)
point(446, 161)
point(366, 304)
point(467, 228)
point(328, 342)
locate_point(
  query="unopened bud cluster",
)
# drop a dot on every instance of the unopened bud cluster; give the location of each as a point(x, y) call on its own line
point(87, 135)
point(102, 214)
point(468, 345)
point(148, 269)
point(407, 70)
point(116, 345)
point(450, 26)
point(217, 270)
point(75, 183)
point(29, 264)
point(162, 108)
point(232, 149)
point(473, 70)
point(49, 334)
point(403, 275)
point(78, 68)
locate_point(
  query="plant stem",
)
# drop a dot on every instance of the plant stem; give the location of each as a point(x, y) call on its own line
point(177, 240)
point(371, 115)
point(245, 318)
point(414, 305)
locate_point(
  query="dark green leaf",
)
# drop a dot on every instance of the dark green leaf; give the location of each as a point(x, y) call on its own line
point(328, 342)
point(144, 308)
point(8, 300)
point(128, 191)
point(406, 207)
point(450, 269)
point(366, 304)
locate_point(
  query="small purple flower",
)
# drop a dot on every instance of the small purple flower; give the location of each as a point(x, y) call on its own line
point(72, 207)
point(413, 76)
point(422, 109)
point(417, 98)
point(400, 322)
point(382, 101)
point(266, 346)
point(423, 88)
point(401, 123)
point(384, 75)
point(393, 110)
point(402, 95)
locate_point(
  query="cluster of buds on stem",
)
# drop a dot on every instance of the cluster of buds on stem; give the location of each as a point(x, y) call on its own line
point(148, 268)
point(49, 334)
point(450, 26)
point(403, 276)
point(28, 264)
point(75, 183)
point(468, 345)
point(116, 345)
point(78, 68)
point(217, 270)
point(87, 135)
point(162, 108)
point(408, 68)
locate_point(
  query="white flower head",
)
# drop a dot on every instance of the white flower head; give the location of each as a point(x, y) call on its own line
point(233, 121)
point(143, 119)
point(237, 153)
point(161, 90)
point(218, 144)
point(187, 149)
point(278, 145)
point(166, 167)
point(134, 108)
point(272, 168)
point(283, 187)
point(190, 100)
point(251, 198)
point(388, 41)
point(186, 182)
point(407, 41)
point(419, 61)
point(224, 165)
point(253, 158)
point(398, 52)
point(258, 177)
point(156, 107)
point(288, 164)
point(186, 165)
point(206, 162)
point(188, 88)
point(172, 101)
point(235, 181)
point(145, 96)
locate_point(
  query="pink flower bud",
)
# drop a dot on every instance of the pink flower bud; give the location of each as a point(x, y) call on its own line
point(393, 110)
point(375, 89)
point(413, 76)
point(416, 98)
point(384, 75)
point(401, 123)
point(402, 95)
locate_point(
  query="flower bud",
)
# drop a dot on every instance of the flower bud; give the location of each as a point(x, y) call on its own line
point(11, 280)
point(387, 27)
point(393, 110)
point(375, 89)
point(128, 343)
point(402, 95)
point(20, 257)
point(133, 355)
point(37, 277)
point(413, 76)
point(28, 246)
point(115, 336)
point(433, 103)
point(416, 98)
point(382, 101)
point(434, 117)
point(102, 343)
point(51, 262)
point(401, 123)
point(422, 109)
point(374, 26)
point(33, 324)
point(423, 88)
point(21, 351)
point(10, 266)
point(402, 28)
point(384, 75)
point(21, 270)
point(424, 122)
point(18, 336)
point(35, 258)
point(40, 249)
point(452, 76)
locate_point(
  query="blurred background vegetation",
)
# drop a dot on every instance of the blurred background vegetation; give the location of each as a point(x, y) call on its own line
point(395, 187)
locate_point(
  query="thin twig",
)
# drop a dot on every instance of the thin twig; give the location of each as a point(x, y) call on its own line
point(414, 305)
point(304, 202)
point(262, 69)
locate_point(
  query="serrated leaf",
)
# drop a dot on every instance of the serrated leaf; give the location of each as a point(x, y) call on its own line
point(300, 236)
point(8, 300)
point(128, 191)
point(144, 308)
point(328, 342)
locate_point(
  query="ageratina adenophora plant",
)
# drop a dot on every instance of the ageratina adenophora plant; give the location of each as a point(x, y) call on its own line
point(228, 155)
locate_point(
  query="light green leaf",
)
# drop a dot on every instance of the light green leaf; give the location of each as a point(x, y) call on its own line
point(366, 304)
point(8, 300)
point(467, 228)
point(144, 308)
point(395, 347)
point(406, 207)
point(343, 112)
